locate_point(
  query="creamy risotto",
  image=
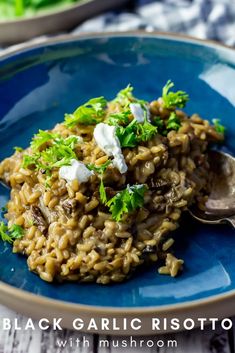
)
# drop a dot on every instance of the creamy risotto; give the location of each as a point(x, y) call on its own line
point(99, 195)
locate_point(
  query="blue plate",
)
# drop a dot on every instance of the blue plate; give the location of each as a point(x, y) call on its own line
point(40, 83)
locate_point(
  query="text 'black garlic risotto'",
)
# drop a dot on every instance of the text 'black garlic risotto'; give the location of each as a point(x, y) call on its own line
point(97, 196)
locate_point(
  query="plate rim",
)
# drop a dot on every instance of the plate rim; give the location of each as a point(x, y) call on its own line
point(41, 41)
point(72, 307)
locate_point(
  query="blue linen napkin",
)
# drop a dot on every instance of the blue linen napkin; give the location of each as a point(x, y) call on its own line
point(211, 19)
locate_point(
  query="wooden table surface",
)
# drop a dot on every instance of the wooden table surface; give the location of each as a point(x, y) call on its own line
point(196, 341)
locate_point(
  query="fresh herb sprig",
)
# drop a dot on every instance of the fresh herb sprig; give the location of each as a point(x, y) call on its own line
point(173, 122)
point(125, 97)
point(90, 113)
point(127, 135)
point(121, 118)
point(126, 201)
point(145, 131)
point(58, 151)
point(173, 100)
point(10, 234)
point(134, 133)
point(41, 138)
point(18, 149)
point(100, 170)
point(219, 127)
point(166, 125)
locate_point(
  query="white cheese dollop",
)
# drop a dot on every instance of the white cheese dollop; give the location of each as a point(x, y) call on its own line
point(139, 113)
point(77, 170)
point(106, 138)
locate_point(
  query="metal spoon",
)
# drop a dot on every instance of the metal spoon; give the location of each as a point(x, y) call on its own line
point(220, 207)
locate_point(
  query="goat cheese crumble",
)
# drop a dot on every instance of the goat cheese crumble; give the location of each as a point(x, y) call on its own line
point(106, 138)
point(77, 170)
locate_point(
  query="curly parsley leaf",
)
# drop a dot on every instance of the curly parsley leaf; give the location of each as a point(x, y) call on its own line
point(127, 135)
point(16, 231)
point(101, 170)
point(4, 209)
point(173, 123)
point(59, 153)
point(89, 113)
point(41, 138)
point(119, 118)
point(103, 195)
point(18, 149)
point(127, 201)
point(125, 97)
point(218, 127)
point(30, 160)
point(146, 131)
point(159, 123)
point(134, 133)
point(4, 232)
point(172, 100)
point(12, 233)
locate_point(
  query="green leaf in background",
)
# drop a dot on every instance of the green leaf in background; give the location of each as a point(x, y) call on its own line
point(11, 9)
point(19, 7)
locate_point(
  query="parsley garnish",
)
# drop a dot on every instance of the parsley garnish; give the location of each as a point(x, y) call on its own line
point(119, 118)
point(127, 135)
point(172, 100)
point(218, 127)
point(18, 149)
point(146, 131)
point(58, 154)
point(100, 170)
point(135, 133)
point(103, 195)
point(127, 201)
point(41, 138)
point(173, 123)
point(3, 209)
point(30, 160)
point(159, 123)
point(89, 113)
point(4, 233)
point(16, 231)
point(12, 233)
point(125, 97)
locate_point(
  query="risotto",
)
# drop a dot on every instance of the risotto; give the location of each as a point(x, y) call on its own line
point(99, 195)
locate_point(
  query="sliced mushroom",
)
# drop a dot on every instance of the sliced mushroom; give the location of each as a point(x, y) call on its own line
point(38, 219)
point(159, 184)
point(69, 206)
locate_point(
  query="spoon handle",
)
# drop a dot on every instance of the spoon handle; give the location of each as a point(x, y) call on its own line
point(231, 220)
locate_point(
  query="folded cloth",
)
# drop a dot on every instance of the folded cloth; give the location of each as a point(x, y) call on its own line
point(211, 19)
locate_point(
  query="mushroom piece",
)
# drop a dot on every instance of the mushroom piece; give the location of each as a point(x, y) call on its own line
point(39, 219)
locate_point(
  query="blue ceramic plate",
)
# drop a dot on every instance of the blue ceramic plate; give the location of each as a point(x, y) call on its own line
point(38, 84)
